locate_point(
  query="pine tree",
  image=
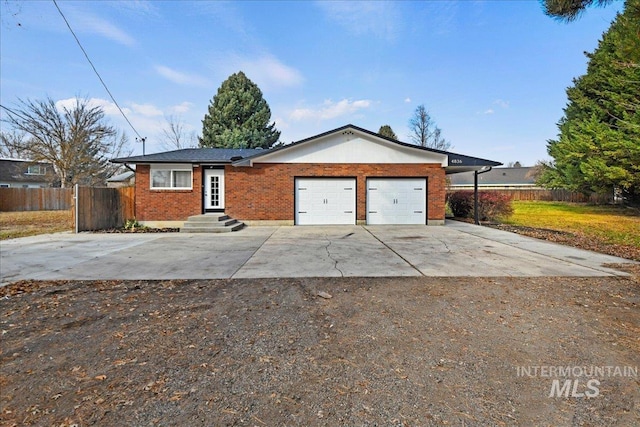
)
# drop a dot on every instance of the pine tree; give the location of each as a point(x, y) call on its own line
point(598, 146)
point(569, 10)
point(387, 132)
point(238, 117)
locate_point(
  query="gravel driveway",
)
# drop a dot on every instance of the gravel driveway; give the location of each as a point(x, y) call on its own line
point(409, 351)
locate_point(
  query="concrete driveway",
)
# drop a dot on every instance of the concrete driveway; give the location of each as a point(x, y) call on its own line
point(457, 249)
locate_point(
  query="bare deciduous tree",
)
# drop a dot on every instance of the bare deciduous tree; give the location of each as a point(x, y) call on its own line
point(176, 137)
point(424, 131)
point(77, 141)
point(8, 143)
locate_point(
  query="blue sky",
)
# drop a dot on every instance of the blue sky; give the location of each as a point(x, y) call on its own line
point(491, 73)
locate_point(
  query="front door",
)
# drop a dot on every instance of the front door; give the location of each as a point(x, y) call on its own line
point(213, 189)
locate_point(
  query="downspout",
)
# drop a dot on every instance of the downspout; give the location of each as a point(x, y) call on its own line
point(129, 167)
point(475, 194)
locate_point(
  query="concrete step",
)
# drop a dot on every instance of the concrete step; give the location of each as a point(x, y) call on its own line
point(234, 227)
point(202, 223)
point(211, 223)
point(213, 217)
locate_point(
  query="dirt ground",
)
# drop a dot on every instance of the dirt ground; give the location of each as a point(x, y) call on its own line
point(387, 351)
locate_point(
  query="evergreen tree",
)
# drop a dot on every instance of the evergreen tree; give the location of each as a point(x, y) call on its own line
point(386, 131)
point(598, 147)
point(238, 117)
point(569, 10)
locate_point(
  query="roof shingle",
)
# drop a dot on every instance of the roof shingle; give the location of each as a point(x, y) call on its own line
point(192, 155)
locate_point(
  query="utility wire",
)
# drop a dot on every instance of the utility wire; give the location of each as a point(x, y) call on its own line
point(94, 69)
point(15, 113)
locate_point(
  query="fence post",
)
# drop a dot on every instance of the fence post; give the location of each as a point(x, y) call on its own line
point(75, 201)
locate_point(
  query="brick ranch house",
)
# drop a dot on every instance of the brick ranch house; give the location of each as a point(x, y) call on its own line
point(348, 175)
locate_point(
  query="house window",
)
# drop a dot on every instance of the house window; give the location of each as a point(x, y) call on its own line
point(177, 177)
point(4, 186)
point(36, 170)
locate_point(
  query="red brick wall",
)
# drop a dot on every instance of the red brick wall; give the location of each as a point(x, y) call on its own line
point(166, 205)
point(266, 191)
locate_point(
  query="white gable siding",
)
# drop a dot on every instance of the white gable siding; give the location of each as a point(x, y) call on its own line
point(352, 147)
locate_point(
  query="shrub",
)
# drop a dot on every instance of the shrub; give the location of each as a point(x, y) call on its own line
point(132, 225)
point(461, 203)
point(492, 205)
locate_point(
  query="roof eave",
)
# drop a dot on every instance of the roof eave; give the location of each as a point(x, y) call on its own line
point(133, 160)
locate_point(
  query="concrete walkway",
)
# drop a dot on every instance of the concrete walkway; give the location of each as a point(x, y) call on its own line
point(457, 249)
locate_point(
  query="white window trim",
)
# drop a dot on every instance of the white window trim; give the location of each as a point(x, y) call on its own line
point(42, 170)
point(172, 168)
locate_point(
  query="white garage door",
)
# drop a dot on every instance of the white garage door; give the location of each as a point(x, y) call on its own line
point(325, 201)
point(396, 201)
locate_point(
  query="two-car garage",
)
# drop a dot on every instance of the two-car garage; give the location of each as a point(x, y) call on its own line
point(324, 201)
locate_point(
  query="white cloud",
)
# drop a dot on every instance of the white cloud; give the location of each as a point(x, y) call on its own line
point(108, 107)
point(378, 18)
point(140, 7)
point(180, 108)
point(500, 103)
point(266, 71)
point(89, 23)
point(147, 110)
point(440, 17)
point(146, 118)
point(225, 13)
point(407, 100)
point(281, 123)
point(330, 110)
point(181, 78)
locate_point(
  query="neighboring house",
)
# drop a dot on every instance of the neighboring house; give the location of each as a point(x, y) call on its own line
point(16, 173)
point(521, 178)
point(345, 176)
point(124, 179)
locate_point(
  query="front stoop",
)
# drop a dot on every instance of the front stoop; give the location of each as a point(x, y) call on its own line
point(211, 223)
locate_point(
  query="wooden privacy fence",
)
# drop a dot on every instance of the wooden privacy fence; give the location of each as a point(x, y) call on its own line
point(103, 208)
point(536, 194)
point(35, 199)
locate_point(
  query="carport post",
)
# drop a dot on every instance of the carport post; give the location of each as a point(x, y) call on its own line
point(475, 192)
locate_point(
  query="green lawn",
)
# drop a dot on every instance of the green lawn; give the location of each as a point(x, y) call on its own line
point(609, 224)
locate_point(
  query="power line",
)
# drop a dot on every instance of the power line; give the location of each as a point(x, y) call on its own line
point(15, 113)
point(96, 71)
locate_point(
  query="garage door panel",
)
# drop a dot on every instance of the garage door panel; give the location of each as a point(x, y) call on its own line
point(396, 201)
point(321, 201)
